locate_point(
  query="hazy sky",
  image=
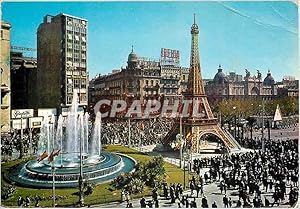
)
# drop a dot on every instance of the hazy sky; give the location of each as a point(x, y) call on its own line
point(237, 35)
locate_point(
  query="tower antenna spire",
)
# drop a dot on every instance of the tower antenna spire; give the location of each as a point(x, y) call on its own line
point(194, 18)
point(131, 48)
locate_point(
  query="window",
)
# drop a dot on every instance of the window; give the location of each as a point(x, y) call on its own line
point(69, 54)
point(76, 72)
point(69, 27)
point(83, 83)
point(83, 56)
point(83, 39)
point(83, 48)
point(69, 99)
point(69, 45)
point(76, 83)
point(70, 36)
point(77, 38)
point(151, 82)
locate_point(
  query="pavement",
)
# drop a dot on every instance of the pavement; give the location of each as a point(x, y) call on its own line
point(211, 190)
point(281, 134)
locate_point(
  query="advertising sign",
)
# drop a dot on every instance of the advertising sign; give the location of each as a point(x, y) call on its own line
point(22, 113)
point(42, 112)
point(169, 56)
point(35, 122)
point(16, 124)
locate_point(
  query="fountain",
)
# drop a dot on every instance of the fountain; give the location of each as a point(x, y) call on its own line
point(66, 135)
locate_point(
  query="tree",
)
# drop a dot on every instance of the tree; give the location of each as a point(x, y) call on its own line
point(150, 173)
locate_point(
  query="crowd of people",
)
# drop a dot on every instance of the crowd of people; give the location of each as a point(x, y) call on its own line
point(252, 173)
point(10, 143)
point(142, 132)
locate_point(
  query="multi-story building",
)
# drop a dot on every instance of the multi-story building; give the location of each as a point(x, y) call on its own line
point(234, 86)
point(289, 86)
point(62, 61)
point(5, 105)
point(142, 79)
point(23, 81)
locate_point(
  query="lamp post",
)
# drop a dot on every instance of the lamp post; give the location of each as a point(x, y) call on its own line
point(180, 138)
point(129, 133)
point(1, 104)
point(262, 129)
point(80, 180)
point(184, 158)
point(234, 122)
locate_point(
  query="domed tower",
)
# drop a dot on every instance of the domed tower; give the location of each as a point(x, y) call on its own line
point(132, 60)
point(269, 80)
point(220, 77)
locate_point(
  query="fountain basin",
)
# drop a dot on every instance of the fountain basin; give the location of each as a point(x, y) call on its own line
point(95, 169)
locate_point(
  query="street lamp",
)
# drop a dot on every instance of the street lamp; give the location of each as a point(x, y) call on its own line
point(180, 138)
point(262, 129)
point(80, 180)
point(234, 107)
point(185, 156)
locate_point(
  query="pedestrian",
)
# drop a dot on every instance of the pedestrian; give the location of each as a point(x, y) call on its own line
point(267, 202)
point(122, 195)
point(156, 205)
point(204, 202)
point(27, 201)
point(143, 203)
point(20, 201)
point(198, 187)
point(214, 205)
point(225, 201)
point(230, 202)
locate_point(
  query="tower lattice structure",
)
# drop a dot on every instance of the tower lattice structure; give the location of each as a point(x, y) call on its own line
point(194, 127)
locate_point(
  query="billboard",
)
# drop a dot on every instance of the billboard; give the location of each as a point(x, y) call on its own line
point(19, 124)
point(35, 122)
point(47, 112)
point(24, 113)
point(169, 56)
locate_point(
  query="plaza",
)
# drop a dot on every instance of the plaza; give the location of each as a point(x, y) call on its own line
point(151, 134)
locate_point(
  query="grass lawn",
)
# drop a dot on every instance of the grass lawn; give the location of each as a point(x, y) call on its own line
point(102, 193)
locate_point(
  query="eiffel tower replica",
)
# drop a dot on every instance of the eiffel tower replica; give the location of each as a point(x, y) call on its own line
point(195, 127)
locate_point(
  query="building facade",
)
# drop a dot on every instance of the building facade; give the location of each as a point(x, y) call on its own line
point(62, 61)
point(141, 79)
point(5, 78)
point(234, 86)
point(289, 86)
point(23, 81)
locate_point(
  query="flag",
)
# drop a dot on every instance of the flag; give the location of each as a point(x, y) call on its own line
point(177, 147)
point(189, 136)
point(52, 155)
point(42, 156)
point(277, 116)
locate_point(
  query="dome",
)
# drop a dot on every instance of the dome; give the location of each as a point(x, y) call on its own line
point(132, 57)
point(269, 80)
point(220, 77)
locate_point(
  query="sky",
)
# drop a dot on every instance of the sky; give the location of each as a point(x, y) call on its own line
point(236, 35)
